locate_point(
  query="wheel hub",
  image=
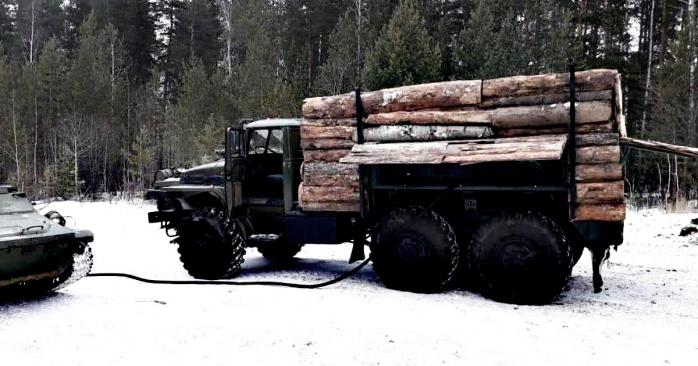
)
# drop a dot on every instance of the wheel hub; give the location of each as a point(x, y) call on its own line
point(411, 247)
point(517, 255)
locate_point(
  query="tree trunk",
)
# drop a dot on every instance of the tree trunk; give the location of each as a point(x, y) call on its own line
point(550, 115)
point(520, 86)
point(20, 183)
point(326, 144)
point(329, 194)
point(598, 154)
point(605, 192)
point(604, 95)
point(405, 133)
point(649, 72)
point(581, 129)
point(605, 212)
point(325, 155)
point(431, 118)
point(587, 173)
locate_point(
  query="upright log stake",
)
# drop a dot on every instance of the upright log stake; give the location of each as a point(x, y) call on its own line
point(572, 142)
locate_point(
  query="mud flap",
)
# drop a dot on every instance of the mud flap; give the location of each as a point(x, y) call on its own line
point(357, 249)
point(599, 254)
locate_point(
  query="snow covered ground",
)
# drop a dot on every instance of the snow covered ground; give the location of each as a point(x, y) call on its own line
point(647, 315)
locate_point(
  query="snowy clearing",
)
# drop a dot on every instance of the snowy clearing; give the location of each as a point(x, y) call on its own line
point(647, 315)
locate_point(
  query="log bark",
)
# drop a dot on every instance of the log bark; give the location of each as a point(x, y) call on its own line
point(661, 147)
point(407, 98)
point(604, 127)
point(331, 206)
point(620, 117)
point(606, 212)
point(405, 133)
point(326, 122)
point(604, 192)
point(330, 174)
point(431, 118)
point(326, 132)
point(326, 144)
point(329, 194)
point(598, 154)
point(604, 95)
point(596, 139)
point(460, 152)
point(324, 155)
point(598, 172)
point(518, 86)
point(550, 115)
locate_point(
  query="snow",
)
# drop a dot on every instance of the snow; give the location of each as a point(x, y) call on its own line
point(647, 315)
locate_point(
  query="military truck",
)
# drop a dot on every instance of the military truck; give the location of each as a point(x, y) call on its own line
point(503, 227)
point(38, 254)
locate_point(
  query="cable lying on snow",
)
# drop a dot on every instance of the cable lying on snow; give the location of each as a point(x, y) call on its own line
point(340, 278)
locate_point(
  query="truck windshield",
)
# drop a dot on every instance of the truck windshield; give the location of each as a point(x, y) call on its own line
point(14, 203)
point(265, 141)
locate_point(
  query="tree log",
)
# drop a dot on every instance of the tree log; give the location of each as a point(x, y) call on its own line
point(331, 206)
point(329, 194)
point(326, 132)
point(661, 147)
point(598, 154)
point(326, 144)
point(431, 118)
point(604, 95)
point(598, 172)
point(620, 117)
point(407, 98)
point(596, 139)
point(604, 127)
point(330, 174)
point(607, 212)
point(605, 192)
point(550, 115)
point(325, 122)
point(404, 133)
point(519, 86)
point(324, 155)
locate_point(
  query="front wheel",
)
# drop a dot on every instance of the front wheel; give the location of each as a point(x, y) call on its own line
point(210, 247)
point(416, 250)
point(520, 258)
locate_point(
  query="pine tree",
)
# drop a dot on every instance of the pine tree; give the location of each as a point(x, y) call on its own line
point(404, 53)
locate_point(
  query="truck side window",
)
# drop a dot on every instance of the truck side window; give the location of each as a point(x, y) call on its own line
point(265, 142)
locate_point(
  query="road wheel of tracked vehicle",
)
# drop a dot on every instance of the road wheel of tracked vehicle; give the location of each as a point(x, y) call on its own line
point(210, 247)
point(520, 258)
point(279, 250)
point(415, 250)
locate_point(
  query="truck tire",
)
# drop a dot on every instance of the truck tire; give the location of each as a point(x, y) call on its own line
point(414, 249)
point(520, 258)
point(210, 247)
point(279, 251)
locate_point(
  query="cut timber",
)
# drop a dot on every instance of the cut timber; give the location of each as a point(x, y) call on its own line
point(598, 154)
point(598, 172)
point(596, 139)
point(547, 147)
point(518, 86)
point(326, 144)
point(550, 115)
point(431, 118)
point(331, 206)
point(604, 95)
point(327, 132)
point(406, 98)
point(608, 212)
point(603, 127)
point(329, 194)
point(324, 155)
point(620, 117)
point(606, 192)
point(402, 133)
point(329, 122)
point(655, 146)
point(330, 174)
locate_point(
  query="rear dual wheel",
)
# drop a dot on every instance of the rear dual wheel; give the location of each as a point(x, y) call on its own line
point(414, 249)
point(520, 258)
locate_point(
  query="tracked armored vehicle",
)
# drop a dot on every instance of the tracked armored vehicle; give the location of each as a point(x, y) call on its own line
point(38, 254)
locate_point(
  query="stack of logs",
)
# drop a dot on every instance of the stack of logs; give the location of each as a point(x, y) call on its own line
point(476, 109)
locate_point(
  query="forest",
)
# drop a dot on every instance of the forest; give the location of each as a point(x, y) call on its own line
point(99, 94)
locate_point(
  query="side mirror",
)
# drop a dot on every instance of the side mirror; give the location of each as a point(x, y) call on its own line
point(234, 143)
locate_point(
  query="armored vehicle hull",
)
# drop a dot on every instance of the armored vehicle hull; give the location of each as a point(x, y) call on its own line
point(37, 253)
